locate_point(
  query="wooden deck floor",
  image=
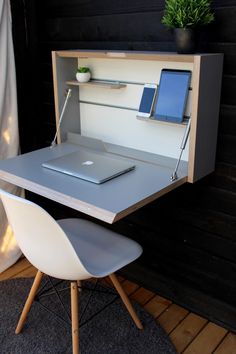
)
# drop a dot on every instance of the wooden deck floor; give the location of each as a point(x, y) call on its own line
point(190, 334)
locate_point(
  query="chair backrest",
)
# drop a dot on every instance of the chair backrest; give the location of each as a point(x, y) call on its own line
point(42, 240)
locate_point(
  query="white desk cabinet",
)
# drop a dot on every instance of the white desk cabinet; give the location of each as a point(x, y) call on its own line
point(102, 115)
point(106, 108)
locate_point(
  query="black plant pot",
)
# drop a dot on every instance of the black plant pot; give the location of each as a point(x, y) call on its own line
point(185, 40)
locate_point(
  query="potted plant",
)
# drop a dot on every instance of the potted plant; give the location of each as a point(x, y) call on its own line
point(184, 16)
point(83, 74)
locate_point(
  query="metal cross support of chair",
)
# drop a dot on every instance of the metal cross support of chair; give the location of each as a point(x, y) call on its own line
point(54, 290)
point(74, 320)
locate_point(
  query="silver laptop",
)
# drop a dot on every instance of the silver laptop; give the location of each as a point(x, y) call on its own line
point(90, 166)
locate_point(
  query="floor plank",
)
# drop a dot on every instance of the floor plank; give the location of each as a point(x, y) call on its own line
point(171, 317)
point(228, 345)
point(129, 287)
point(142, 296)
point(27, 273)
point(157, 305)
point(207, 340)
point(107, 281)
point(186, 331)
point(17, 268)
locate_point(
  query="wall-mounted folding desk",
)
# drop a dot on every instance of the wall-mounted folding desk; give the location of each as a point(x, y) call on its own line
point(102, 115)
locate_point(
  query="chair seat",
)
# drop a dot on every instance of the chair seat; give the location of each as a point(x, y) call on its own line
point(100, 250)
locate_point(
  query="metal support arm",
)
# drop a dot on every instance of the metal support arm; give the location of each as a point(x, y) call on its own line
point(174, 175)
point(61, 116)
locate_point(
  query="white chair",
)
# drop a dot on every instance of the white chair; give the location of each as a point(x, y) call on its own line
point(70, 249)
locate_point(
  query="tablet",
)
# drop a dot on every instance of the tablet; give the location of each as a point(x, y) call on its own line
point(172, 95)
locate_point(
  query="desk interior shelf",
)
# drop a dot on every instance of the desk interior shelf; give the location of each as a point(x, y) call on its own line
point(98, 83)
point(153, 120)
point(97, 113)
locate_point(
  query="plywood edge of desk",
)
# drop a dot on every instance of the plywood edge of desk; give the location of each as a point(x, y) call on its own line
point(89, 209)
point(101, 54)
point(150, 199)
point(61, 198)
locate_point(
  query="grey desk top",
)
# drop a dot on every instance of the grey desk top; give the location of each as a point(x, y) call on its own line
point(109, 201)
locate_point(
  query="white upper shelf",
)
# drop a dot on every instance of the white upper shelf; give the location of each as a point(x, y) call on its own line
point(97, 83)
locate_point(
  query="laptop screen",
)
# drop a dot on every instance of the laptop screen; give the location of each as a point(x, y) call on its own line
point(172, 95)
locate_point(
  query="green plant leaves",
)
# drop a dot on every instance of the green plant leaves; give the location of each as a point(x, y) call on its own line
point(187, 13)
point(83, 69)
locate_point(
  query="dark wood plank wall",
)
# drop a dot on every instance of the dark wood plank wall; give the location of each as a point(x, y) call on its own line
point(189, 236)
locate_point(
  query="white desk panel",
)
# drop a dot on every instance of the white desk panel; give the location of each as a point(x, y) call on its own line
point(109, 201)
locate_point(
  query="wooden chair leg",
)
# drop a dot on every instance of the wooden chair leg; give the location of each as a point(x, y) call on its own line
point(74, 317)
point(29, 301)
point(125, 300)
point(79, 284)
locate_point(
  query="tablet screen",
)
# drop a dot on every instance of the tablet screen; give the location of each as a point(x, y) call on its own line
point(172, 95)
